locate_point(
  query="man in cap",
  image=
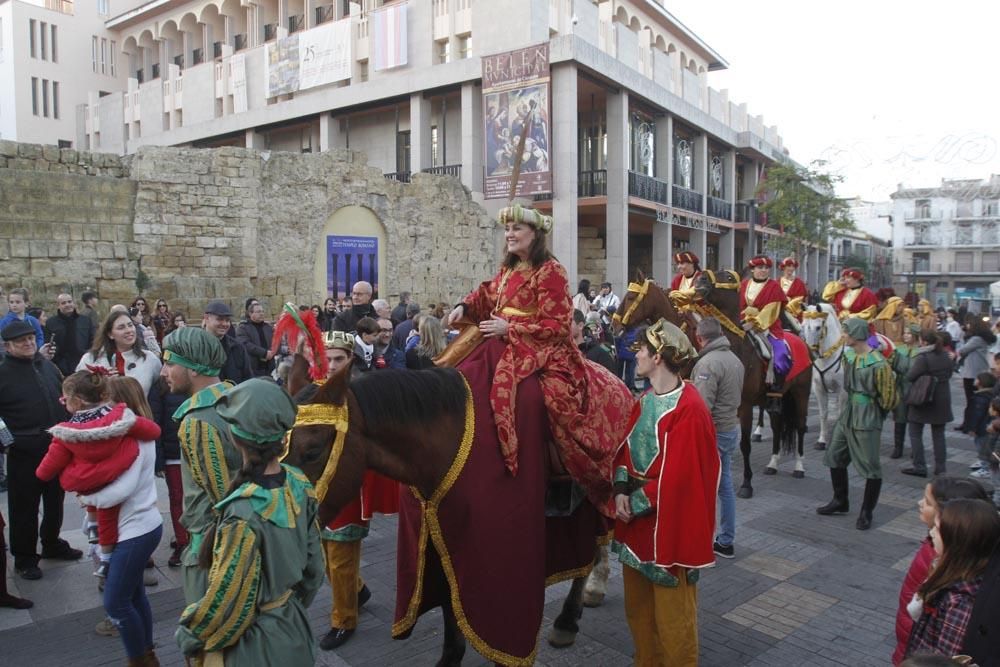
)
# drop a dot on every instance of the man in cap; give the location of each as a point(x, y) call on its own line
point(192, 360)
point(793, 287)
point(30, 389)
point(871, 395)
point(218, 320)
point(850, 297)
point(762, 303)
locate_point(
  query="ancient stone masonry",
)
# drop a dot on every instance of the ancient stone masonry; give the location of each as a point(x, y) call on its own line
point(222, 223)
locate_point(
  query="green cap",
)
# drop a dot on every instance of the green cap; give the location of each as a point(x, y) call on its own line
point(196, 349)
point(857, 328)
point(914, 329)
point(258, 410)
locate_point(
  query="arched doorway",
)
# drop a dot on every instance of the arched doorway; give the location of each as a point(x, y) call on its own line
point(352, 247)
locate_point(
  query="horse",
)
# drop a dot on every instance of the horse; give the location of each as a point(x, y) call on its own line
point(822, 333)
point(647, 302)
point(721, 300)
point(420, 428)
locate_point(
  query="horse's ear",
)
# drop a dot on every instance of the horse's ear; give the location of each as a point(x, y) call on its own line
point(640, 276)
point(298, 374)
point(334, 390)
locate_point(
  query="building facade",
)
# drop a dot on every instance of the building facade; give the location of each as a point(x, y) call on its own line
point(646, 159)
point(948, 240)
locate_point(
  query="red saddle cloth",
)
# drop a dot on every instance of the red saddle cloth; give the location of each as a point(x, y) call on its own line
point(489, 549)
point(800, 356)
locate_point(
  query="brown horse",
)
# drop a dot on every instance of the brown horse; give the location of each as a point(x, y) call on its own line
point(645, 302)
point(414, 427)
point(788, 425)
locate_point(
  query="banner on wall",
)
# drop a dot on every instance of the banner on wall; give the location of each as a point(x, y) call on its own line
point(348, 260)
point(238, 69)
point(516, 91)
point(389, 29)
point(308, 59)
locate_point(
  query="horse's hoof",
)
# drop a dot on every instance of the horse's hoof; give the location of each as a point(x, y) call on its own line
point(592, 599)
point(770, 471)
point(561, 638)
point(799, 474)
point(745, 492)
point(820, 446)
point(756, 438)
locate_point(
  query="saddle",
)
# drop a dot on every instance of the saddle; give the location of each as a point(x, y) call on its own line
point(468, 339)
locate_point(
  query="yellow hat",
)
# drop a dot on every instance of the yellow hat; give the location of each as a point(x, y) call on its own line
point(338, 340)
point(670, 342)
point(528, 216)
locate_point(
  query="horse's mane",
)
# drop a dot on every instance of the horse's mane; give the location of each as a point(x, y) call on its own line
point(390, 398)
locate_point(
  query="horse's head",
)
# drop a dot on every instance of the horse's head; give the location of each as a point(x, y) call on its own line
point(813, 326)
point(634, 307)
point(718, 288)
point(335, 465)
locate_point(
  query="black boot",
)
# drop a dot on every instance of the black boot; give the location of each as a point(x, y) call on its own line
point(839, 504)
point(899, 438)
point(872, 489)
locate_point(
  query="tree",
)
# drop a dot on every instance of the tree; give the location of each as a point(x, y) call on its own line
point(800, 202)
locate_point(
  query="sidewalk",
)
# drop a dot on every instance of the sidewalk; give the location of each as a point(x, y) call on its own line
point(802, 590)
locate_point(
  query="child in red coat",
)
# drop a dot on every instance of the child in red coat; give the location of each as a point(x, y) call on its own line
point(94, 448)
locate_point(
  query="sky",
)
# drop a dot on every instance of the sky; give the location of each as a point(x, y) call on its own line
point(885, 91)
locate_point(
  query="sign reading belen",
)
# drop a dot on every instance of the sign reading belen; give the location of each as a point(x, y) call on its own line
point(516, 93)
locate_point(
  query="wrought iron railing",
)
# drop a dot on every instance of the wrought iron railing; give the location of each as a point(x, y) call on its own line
point(239, 42)
point(647, 187)
point(401, 176)
point(296, 23)
point(216, 49)
point(445, 170)
point(719, 208)
point(198, 56)
point(746, 211)
point(156, 71)
point(689, 200)
point(593, 183)
point(270, 31)
point(324, 14)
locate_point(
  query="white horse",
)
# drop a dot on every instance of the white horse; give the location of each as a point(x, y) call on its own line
point(824, 337)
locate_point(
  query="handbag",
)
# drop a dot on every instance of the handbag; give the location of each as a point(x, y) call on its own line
point(467, 340)
point(921, 392)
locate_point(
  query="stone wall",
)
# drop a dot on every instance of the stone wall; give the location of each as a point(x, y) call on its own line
point(222, 223)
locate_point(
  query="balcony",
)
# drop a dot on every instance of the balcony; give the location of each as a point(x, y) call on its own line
point(296, 23)
point(689, 200)
point(197, 56)
point(746, 211)
point(401, 176)
point(445, 170)
point(140, 75)
point(270, 31)
point(719, 208)
point(922, 217)
point(240, 42)
point(61, 6)
point(593, 183)
point(647, 187)
point(324, 14)
point(179, 61)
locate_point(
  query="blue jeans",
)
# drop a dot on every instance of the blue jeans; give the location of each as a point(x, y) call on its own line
point(125, 598)
point(726, 443)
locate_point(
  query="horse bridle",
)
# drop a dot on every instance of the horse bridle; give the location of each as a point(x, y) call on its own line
point(640, 292)
point(823, 356)
point(324, 414)
point(706, 309)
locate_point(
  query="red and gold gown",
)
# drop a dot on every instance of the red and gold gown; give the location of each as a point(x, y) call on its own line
point(857, 302)
point(680, 282)
point(536, 304)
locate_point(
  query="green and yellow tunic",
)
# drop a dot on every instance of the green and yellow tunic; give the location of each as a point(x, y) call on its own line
point(902, 359)
point(267, 566)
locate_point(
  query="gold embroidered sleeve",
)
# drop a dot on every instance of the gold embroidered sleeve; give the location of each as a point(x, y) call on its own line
point(866, 314)
point(831, 290)
point(766, 316)
point(794, 306)
point(229, 606)
point(202, 449)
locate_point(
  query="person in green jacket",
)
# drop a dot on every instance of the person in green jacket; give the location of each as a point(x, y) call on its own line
point(901, 360)
point(871, 394)
point(192, 361)
point(263, 557)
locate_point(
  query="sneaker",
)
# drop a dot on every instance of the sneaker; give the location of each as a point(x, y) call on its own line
point(149, 578)
point(175, 557)
point(63, 552)
point(106, 628)
point(91, 533)
point(979, 465)
point(724, 550)
point(981, 473)
point(31, 573)
point(102, 569)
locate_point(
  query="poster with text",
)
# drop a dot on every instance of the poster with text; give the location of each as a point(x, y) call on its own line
point(308, 59)
point(348, 260)
point(516, 96)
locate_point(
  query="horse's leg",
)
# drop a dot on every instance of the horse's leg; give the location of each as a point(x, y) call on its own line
point(454, 642)
point(746, 422)
point(776, 425)
point(597, 582)
point(565, 627)
point(758, 433)
point(823, 399)
point(802, 404)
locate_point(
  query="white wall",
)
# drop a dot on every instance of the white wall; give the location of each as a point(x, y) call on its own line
point(8, 91)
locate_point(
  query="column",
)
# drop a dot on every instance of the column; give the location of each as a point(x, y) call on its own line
point(472, 141)
point(812, 277)
point(255, 139)
point(329, 132)
point(616, 241)
point(663, 232)
point(823, 265)
point(699, 237)
point(420, 133)
point(565, 169)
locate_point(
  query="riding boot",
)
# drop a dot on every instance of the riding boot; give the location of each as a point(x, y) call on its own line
point(840, 503)
point(872, 489)
point(899, 438)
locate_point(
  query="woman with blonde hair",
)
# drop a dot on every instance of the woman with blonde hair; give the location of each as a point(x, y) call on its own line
point(432, 343)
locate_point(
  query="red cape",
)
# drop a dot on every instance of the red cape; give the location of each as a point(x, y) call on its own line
point(770, 293)
point(676, 282)
point(797, 288)
point(864, 299)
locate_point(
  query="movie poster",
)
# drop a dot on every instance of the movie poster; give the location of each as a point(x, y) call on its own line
point(348, 260)
point(516, 91)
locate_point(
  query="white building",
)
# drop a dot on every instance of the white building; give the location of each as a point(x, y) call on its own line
point(646, 159)
point(53, 54)
point(947, 240)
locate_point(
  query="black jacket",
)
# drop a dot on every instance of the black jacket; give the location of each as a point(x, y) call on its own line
point(982, 634)
point(256, 340)
point(237, 367)
point(348, 320)
point(164, 405)
point(599, 354)
point(74, 334)
point(398, 314)
point(29, 401)
point(938, 364)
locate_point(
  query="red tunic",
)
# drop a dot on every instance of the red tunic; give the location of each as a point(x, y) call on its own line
point(676, 282)
point(586, 404)
point(378, 495)
point(771, 292)
point(679, 471)
point(865, 299)
point(795, 288)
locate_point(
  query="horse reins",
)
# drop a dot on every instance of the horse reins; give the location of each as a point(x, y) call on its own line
point(324, 414)
point(823, 356)
point(706, 309)
point(640, 292)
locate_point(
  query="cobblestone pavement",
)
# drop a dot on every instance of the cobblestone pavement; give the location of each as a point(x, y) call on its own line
point(802, 590)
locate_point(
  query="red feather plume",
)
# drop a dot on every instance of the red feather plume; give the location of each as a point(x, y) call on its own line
point(292, 324)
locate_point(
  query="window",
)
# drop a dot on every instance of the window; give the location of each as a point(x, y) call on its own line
point(54, 56)
point(922, 209)
point(43, 39)
point(65, 143)
point(34, 95)
point(363, 71)
point(112, 60)
point(93, 52)
point(403, 151)
point(963, 235)
point(921, 261)
point(104, 56)
point(102, 7)
point(434, 145)
point(55, 99)
point(443, 51)
point(31, 37)
point(465, 47)
point(963, 261)
point(45, 97)
point(991, 261)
